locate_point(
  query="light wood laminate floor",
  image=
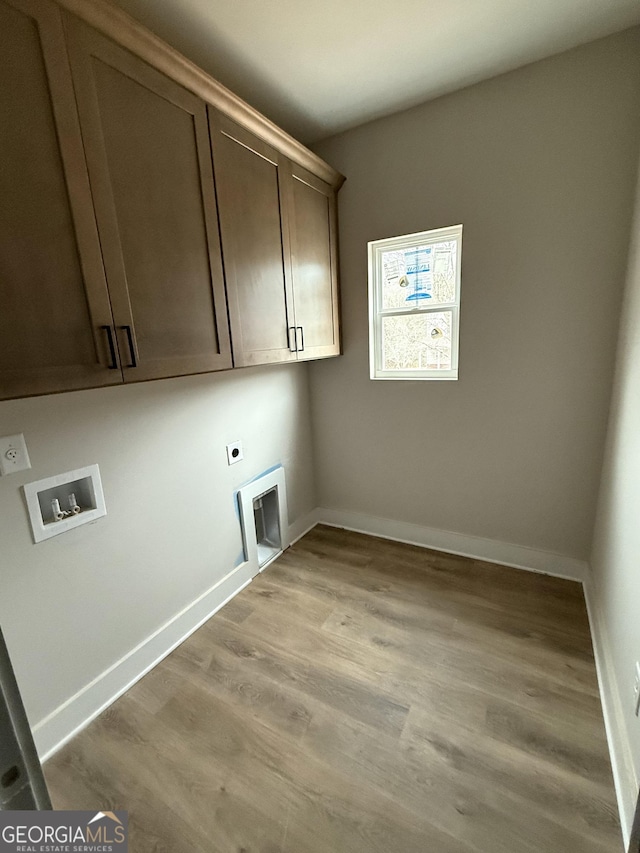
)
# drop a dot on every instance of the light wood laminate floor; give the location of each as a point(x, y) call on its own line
point(363, 696)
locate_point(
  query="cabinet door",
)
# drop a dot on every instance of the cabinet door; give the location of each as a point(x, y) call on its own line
point(147, 148)
point(311, 213)
point(53, 295)
point(254, 248)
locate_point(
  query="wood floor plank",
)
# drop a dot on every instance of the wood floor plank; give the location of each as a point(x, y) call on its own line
point(229, 679)
point(585, 804)
point(421, 643)
point(466, 805)
point(85, 778)
point(398, 561)
point(383, 664)
point(287, 780)
point(342, 687)
point(439, 600)
point(569, 745)
point(363, 696)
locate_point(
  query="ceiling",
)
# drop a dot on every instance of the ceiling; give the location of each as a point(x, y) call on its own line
point(316, 68)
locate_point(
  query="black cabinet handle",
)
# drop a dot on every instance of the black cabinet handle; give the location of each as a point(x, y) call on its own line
point(112, 348)
point(132, 348)
point(295, 339)
point(301, 348)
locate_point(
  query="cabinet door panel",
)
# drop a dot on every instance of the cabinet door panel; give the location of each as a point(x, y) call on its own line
point(52, 288)
point(312, 224)
point(254, 249)
point(150, 166)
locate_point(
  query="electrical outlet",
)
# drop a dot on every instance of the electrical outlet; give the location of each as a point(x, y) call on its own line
point(234, 452)
point(636, 689)
point(13, 455)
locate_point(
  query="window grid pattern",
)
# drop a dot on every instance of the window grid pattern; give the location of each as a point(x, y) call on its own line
point(414, 305)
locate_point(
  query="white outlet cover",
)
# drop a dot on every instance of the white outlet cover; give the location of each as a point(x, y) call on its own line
point(14, 455)
point(234, 452)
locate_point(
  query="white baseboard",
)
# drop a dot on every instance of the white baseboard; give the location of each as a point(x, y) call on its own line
point(68, 719)
point(489, 550)
point(624, 777)
point(302, 526)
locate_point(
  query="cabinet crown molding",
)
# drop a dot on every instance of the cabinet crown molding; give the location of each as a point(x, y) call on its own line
point(122, 28)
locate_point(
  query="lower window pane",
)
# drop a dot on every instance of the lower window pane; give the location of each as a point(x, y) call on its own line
point(417, 342)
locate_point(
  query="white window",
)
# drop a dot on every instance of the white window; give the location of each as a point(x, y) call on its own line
point(414, 305)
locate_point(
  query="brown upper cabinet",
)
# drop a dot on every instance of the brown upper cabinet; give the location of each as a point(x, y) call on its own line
point(121, 257)
point(278, 226)
point(55, 315)
point(255, 245)
point(147, 146)
point(311, 219)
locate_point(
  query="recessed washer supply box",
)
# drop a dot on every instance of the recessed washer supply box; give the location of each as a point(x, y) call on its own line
point(60, 503)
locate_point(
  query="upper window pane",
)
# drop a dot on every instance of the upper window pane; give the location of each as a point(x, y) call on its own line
point(419, 276)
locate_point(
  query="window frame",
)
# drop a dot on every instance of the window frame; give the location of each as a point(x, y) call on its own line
point(375, 251)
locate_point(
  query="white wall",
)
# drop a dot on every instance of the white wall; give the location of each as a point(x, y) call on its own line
point(616, 548)
point(539, 166)
point(74, 605)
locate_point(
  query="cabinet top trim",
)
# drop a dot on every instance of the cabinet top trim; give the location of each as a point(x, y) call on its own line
point(122, 28)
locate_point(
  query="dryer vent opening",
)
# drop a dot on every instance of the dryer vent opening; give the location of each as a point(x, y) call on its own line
point(263, 511)
point(267, 521)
